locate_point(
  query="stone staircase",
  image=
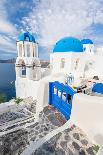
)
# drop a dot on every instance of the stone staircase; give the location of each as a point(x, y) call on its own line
point(44, 132)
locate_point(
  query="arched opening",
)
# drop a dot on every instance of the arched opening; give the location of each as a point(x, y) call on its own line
point(23, 67)
point(24, 71)
point(27, 38)
point(62, 64)
point(28, 50)
point(36, 69)
point(20, 50)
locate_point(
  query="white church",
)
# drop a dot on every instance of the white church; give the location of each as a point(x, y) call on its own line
point(70, 56)
point(71, 59)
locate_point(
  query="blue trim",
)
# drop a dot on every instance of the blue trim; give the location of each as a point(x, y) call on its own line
point(26, 36)
point(86, 41)
point(68, 44)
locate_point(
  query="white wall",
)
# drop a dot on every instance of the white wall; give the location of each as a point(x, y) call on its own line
point(43, 90)
point(96, 60)
point(37, 89)
point(70, 62)
point(26, 88)
point(55, 61)
point(87, 113)
point(80, 57)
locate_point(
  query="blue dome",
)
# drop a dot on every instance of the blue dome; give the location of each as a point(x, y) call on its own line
point(68, 44)
point(86, 41)
point(26, 36)
point(98, 88)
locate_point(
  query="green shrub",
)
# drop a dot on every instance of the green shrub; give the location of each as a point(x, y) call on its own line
point(96, 148)
point(18, 100)
point(2, 98)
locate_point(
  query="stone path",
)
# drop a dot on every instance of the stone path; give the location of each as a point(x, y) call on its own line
point(14, 143)
point(72, 141)
point(49, 119)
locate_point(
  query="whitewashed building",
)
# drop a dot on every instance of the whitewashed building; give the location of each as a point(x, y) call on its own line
point(69, 57)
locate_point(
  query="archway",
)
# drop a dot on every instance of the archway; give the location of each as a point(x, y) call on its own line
point(21, 62)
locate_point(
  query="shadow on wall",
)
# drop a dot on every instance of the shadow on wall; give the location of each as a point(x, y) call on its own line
point(87, 113)
point(99, 138)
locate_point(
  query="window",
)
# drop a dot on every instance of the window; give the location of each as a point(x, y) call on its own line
point(64, 96)
point(62, 63)
point(76, 64)
point(28, 50)
point(23, 71)
point(20, 50)
point(55, 90)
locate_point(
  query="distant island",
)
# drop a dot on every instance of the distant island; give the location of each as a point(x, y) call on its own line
point(44, 63)
point(8, 61)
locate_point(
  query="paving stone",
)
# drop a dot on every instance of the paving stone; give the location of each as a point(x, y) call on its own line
point(37, 127)
point(45, 128)
point(50, 148)
point(68, 130)
point(84, 142)
point(47, 111)
point(67, 137)
point(41, 136)
point(76, 136)
point(76, 146)
point(90, 151)
point(36, 132)
point(82, 152)
point(33, 138)
point(63, 144)
point(58, 135)
point(59, 151)
point(34, 125)
point(41, 130)
point(53, 120)
point(69, 152)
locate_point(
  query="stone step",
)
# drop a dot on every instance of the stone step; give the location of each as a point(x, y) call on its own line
point(18, 125)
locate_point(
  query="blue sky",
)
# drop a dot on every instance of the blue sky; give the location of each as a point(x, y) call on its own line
point(49, 20)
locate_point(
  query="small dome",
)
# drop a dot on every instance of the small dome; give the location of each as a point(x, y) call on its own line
point(86, 41)
point(26, 36)
point(98, 88)
point(68, 44)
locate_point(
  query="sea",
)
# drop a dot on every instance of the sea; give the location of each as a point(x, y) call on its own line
point(7, 80)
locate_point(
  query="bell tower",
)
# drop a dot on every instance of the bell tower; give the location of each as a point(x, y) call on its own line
point(88, 46)
point(27, 62)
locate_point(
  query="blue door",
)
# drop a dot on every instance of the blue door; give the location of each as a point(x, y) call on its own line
point(60, 96)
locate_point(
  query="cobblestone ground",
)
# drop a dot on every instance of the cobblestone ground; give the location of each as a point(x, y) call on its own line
point(49, 119)
point(69, 142)
point(14, 143)
point(72, 141)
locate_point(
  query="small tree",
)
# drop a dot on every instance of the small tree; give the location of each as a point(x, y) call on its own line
point(2, 98)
